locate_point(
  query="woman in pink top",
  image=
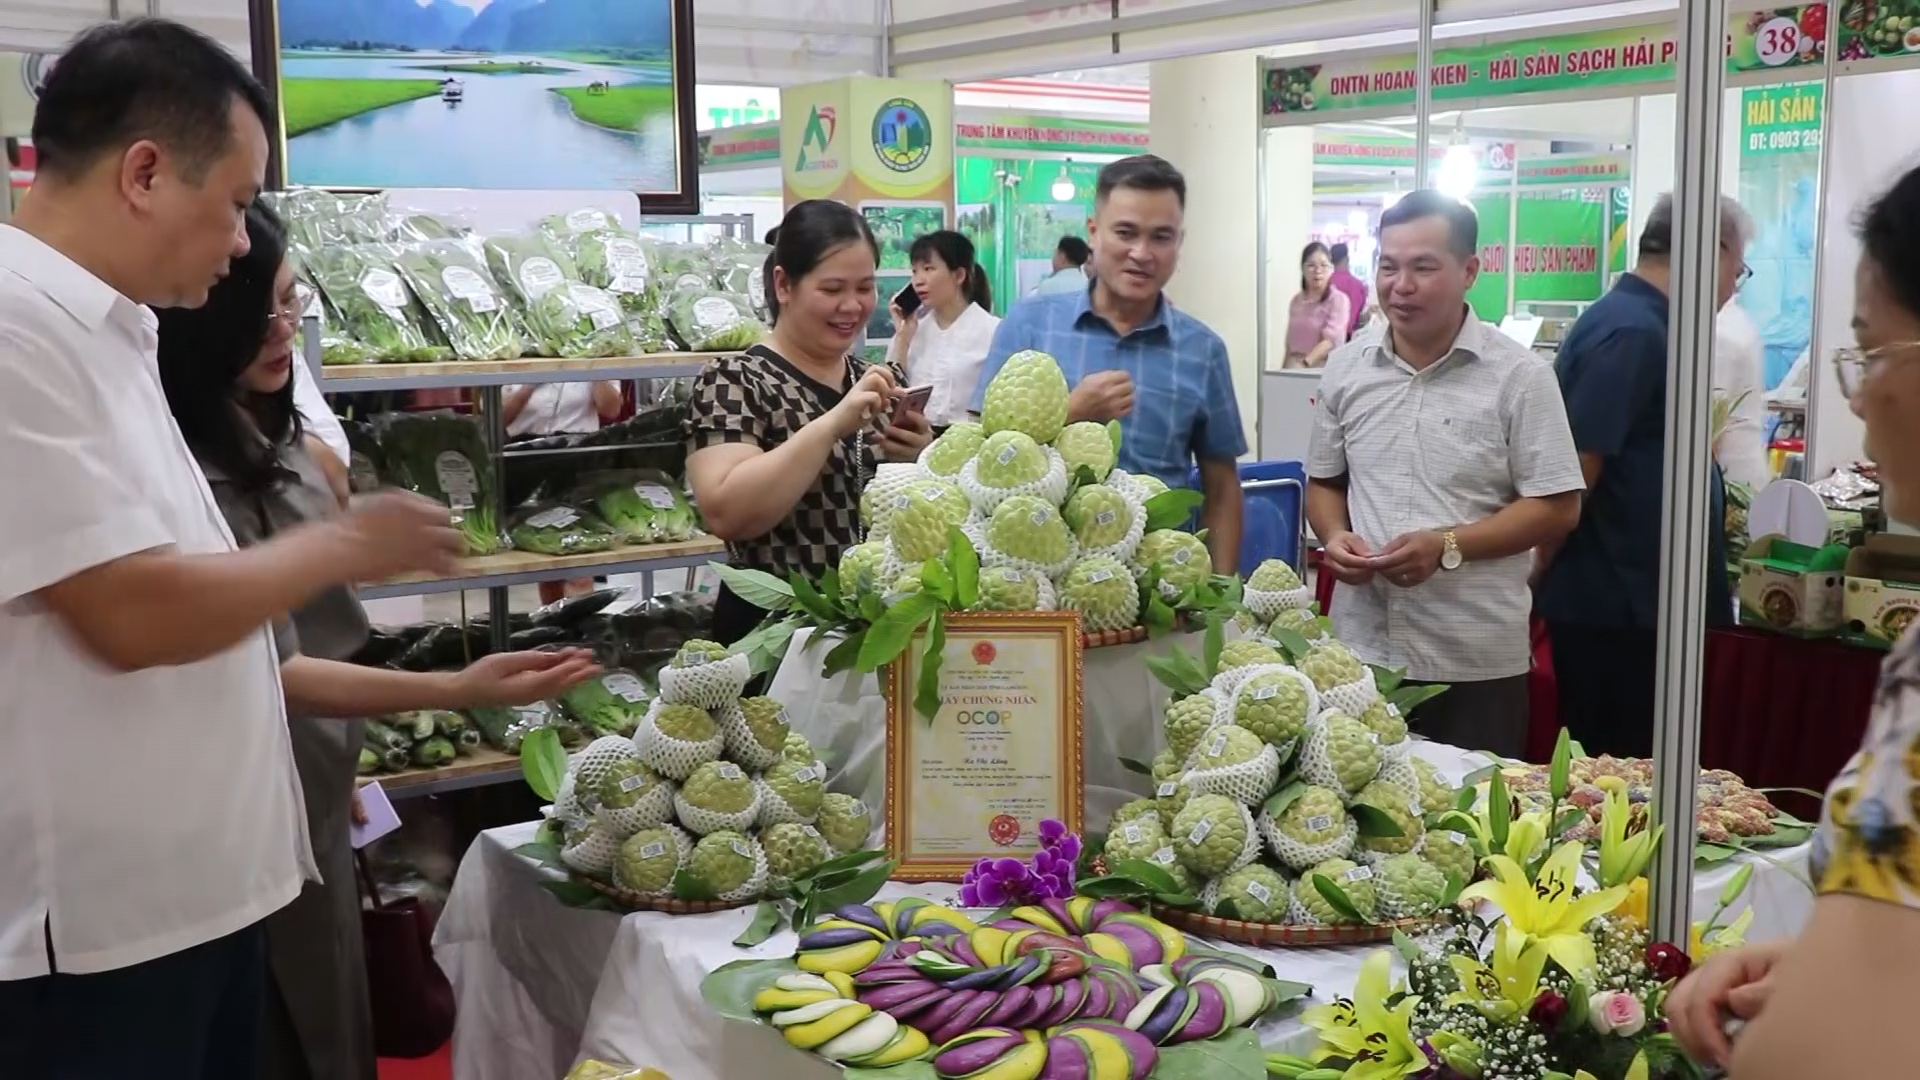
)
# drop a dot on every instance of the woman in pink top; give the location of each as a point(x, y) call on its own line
point(1320, 314)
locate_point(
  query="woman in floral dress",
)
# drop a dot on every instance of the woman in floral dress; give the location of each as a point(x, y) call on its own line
point(1840, 1000)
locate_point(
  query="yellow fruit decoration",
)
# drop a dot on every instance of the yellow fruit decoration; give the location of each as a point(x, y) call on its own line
point(908, 1043)
point(842, 982)
point(812, 1033)
point(1023, 1064)
point(846, 959)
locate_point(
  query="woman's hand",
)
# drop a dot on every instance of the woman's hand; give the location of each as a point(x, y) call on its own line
point(909, 434)
point(904, 324)
point(869, 400)
point(521, 678)
point(1733, 984)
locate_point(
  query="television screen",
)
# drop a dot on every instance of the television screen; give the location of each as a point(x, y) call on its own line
point(503, 94)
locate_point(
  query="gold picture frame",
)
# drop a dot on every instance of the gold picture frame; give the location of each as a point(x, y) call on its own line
point(990, 659)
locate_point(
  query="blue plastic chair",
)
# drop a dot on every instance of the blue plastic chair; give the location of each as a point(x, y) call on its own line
point(1276, 503)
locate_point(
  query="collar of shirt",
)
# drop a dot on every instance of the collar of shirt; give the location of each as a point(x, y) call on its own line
point(1646, 292)
point(75, 288)
point(1468, 343)
point(1158, 322)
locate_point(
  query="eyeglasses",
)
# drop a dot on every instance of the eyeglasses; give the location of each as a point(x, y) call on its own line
point(1746, 275)
point(291, 314)
point(1854, 366)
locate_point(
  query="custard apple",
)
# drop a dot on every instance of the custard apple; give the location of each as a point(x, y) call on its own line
point(705, 674)
point(877, 501)
point(923, 515)
point(1169, 791)
point(631, 797)
point(1301, 621)
point(1409, 887)
point(1089, 444)
point(905, 585)
point(674, 740)
point(1399, 804)
point(1339, 752)
point(1099, 516)
point(1354, 880)
point(1331, 665)
point(845, 821)
point(860, 568)
point(1452, 854)
point(1234, 762)
point(718, 795)
point(1274, 576)
point(1183, 878)
point(594, 763)
point(1313, 828)
point(1137, 838)
point(1031, 530)
point(1384, 720)
point(797, 748)
point(1213, 835)
point(1102, 591)
point(793, 850)
point(1138, 808)
point(1029, 395)
point(1010, 460)
point(1258, 893)
point(755, 731)
point(649, 858)
point(1181, 556)
point(793, 793)
point(1187, 720)
point(1245, 653)
point(1274, 705)
point(953, 448)
point(591, 851)
point(697, 651)
point(1149, 485)
point(1436, 795)
point(725, 862)
point(1009, 588)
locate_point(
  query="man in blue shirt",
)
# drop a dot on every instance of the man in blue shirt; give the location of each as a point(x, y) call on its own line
point(1130, 356)
point(1600, 593)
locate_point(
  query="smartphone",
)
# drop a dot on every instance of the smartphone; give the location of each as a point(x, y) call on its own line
point(913, 400)
point(907, 300)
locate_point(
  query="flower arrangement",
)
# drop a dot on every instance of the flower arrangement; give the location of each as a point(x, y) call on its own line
point(1049, 875)
point(1539, 976)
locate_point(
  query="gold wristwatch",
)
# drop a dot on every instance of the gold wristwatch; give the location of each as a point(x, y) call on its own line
point(1450, 557)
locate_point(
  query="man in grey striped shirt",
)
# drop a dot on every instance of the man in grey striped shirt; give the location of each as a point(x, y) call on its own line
point(1440, 459)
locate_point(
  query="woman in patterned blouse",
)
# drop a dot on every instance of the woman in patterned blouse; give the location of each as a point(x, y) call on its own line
point(782, 439)
point(1836, 1002)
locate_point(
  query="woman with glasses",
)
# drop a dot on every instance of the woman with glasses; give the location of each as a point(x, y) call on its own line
point(227, 368)
point(1320, 314)
point(1838, 1000)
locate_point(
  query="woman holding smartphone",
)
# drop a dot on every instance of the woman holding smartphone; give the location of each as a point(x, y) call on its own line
point(783, 438)
point(942, 342)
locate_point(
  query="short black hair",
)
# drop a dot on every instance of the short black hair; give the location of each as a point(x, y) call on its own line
point(955, 252)
point(1075, 249)
point(1463, 225)
point(1889, 231)
point(153, 79)
point(1338, 253)
point(1142, 172)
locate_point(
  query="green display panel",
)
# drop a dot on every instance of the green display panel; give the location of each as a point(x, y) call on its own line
point(1489, 293)
point(1558, 253)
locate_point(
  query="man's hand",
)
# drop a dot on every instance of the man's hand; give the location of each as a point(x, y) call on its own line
point(1101, 396)
point(521, 678)
point(903, 440)
point(1349, 558)
point(1734, 984)
point(1410, 558)
point(396, 532)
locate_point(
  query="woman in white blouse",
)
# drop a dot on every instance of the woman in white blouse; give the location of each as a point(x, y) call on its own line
point(944, 342)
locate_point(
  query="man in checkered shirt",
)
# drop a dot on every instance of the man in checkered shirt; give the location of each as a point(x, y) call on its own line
point(1440, 459)
point(1131, 356)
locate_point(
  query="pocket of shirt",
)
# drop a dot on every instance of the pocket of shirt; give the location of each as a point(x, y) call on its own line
point(1463, 455)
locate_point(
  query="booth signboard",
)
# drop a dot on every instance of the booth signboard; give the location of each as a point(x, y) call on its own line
point(1361, 148)
point(1002, 753)
point(1559, 257)
point(1050, 134)
point(1777, 38)
point(747, 144)
point(1871, 30)
point(1576, 170)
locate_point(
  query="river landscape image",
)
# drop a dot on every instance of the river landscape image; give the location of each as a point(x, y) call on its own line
point(570, 94)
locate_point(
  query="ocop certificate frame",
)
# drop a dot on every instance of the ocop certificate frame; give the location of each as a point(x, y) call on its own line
point(1002, 754)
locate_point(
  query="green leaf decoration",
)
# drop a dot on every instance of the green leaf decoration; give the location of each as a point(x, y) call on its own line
point(859, 890)
point(545, 853)
point(1113, 432)
point(1158, 617)
point(1284, 796)
point(1293, 643)
point(1499, 811)
point(573, 893)
point(543, 761)
point(1235, 1055)
point(1225, 908)
point(810, 601)
point(1479, 776)
point(1464, 799)
point(843, 656)
point(1152, 875)
point(889, 636)
point(964, 561)
point(766, 645)
point(1215, 641)
point(1409, 698)
point(872, 607)
point(1388, 679)
point(1083, 475)
point(1179, 672)
point(1567, 820)
point(756, 587)
point(765, 924)
point(852, 860)
point(926, 694)
point(1562, 762)
point(1337, 898)
point(685, 887)
point(1578, 750)
point(1712, 854)
point(830, 587)
point(1135, 765)
point(1374, 821)
point(1455, 886)
point(917, 1069)
point(729, 989)
point(1111, 887)
point(937, 580)
point(1405, 946)
point(1172, 508)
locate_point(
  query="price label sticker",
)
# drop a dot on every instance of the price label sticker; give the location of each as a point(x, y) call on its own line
point(1260, 892)
point(625, 687)
point(1038, 518)
point(1164, 857)
point(1358, 873)
point(1166, 789)
point(901, 502)
point(1777, 42)
point(806, 775)
point(1100, 576)
point(1218, 744)
point(1183, 556)
point(653, 849)
point(1201, 830)
point(858, 809)
point(1131, 830)
point(740, 848)
point(586, 220)
point(631, 784)
point(1007, 454)
point(727, 770)
point(557, 518)
point(810, 830)
point(1266, 693)
point(654, 495)
point(1319, 823)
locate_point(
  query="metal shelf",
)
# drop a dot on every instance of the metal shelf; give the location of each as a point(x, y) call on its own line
point(350, 378)
point(510, 568)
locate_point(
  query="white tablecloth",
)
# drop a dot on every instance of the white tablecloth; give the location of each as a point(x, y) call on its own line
point(541, 985)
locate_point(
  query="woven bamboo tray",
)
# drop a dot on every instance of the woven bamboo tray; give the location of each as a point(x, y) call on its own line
point(635, 902)
point(1288, 937)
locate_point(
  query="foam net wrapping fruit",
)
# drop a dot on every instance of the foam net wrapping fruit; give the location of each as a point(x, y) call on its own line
point(1049, 484)
point(1234, 762)
point(1081, 987)
point(1276, 703)
point(1274, 587)
point(675, 739)
point(1106, 521)
point(708, 685)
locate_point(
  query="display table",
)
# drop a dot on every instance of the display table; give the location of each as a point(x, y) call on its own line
point(540, 985)
point(845, 718)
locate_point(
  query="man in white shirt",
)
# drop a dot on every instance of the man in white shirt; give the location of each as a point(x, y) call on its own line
point(1440, 458)
point(147, 789)
point(1069, 268)
point(1738, 356)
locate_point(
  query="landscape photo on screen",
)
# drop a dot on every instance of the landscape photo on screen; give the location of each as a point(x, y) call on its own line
point(567, 94)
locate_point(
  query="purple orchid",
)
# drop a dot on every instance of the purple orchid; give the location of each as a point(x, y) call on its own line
point(994, 883)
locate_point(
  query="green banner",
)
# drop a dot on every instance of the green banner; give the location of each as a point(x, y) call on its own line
point(1619, 222)
point(1056, 134)
point(1489, 293)
point(1558, 253)
point(740, 145)
point(1780, 187)
point(1780, 120)
point(1575, 170)
point(1358, 148)
point(1777, 38)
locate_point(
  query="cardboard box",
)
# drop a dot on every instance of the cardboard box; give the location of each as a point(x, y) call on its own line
point(1792, 588)
point(1883, 588)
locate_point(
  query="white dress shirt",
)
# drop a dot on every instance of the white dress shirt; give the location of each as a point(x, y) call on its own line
point(146, 812)
point(1737, 358)
point(1435, 449)
point(949, 359)
point(556, 409)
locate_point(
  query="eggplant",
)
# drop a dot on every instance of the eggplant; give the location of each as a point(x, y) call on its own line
point(884, 998)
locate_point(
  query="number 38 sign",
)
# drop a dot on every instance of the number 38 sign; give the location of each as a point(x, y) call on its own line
point(1777, 38)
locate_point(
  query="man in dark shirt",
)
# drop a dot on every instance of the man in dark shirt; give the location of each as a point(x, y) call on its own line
point(1599, 594)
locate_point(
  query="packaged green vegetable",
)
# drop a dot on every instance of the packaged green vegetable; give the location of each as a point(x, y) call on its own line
point(415, 228)
point(739, 272)
point(443, 456)
point(433, 753)
point(369, 762)
point(504, 727)
point(563, 316)
point(611, 704)
point(451, 279)
point(467, 741)
point(560, 530)
point(645, 508)
point(707, 321)
point(374, 306)
point(381, 736)
point(396, 758)
point(617, 262)
point(585, 219)
point(366, 467)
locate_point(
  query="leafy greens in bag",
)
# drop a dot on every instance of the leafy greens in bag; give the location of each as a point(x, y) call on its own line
point(374, 306)
point(451, 279)
point(707, 321)
point(556, 529)
point(646, 508)
point(563, 316)
point(443, 456)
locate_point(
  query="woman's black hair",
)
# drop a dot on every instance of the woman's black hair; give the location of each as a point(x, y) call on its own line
point(808, 234)
point(203, 351)
point(955, 252)
point(1890, 234)
point(1308, 252)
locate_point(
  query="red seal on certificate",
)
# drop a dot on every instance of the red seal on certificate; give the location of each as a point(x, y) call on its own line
point(1004, 829)
point(984, 652)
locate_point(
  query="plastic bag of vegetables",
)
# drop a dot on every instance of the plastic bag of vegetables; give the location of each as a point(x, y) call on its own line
point(645, 508)
point(374, 305)
point(555, 529)
point(708, 321)
point(609, 704)
point(451, 279)
point(562, 315)
point(585, 219)
point(681, 266)
point(443, 456)
point(739, 270)
point(367, 470)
